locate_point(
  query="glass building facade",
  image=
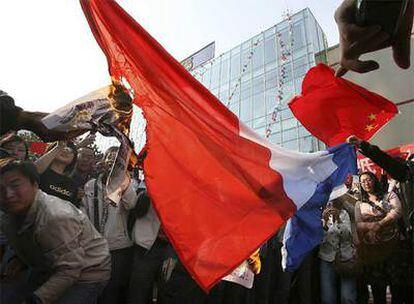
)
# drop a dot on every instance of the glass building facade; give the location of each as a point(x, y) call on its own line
point(257, 78)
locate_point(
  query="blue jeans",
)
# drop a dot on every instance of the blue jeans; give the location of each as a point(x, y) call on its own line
point(329, 285)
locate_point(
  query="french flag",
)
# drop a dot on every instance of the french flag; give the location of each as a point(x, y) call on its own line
point(220, 190)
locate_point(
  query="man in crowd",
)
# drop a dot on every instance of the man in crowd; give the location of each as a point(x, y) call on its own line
point(69, 259)
point(84, 170)
point(111, 222)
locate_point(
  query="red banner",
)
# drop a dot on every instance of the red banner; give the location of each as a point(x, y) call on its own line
point(366, 164)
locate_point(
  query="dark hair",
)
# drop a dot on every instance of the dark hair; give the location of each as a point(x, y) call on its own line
point(378, 189)
point(72, 146)
point(26, 168)
point(18, 139)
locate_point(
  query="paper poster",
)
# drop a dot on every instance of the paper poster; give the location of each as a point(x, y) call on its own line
point(242, 275)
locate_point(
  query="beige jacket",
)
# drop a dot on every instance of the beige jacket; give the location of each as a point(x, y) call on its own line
point(58, 240)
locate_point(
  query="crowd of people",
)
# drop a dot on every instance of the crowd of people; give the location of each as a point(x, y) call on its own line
point(76, 246)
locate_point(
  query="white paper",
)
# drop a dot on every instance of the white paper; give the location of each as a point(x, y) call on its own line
point(242, 275)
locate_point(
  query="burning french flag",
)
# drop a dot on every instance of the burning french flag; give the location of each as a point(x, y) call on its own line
point(219, 189)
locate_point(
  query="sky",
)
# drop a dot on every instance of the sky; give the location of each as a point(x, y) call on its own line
point(48, 56)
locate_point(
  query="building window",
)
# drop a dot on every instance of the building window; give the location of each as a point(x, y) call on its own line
point(298, 35)
point(300, 67)
point(306, 144)
point(303, 132)
point(261, 131)
point(215, 75)
point(225, 71)
point(258, 105)
point(257, 58)
point(270, 49)
point(257, 85)
point(245, 61)
point(271, 100)
point(285, 71)
point(246, 109)
point(271, 79)
point(259, 122)
point(235, 90)
point(275, 137)
point(235, 108)
point(274, 125)
point(286, 114)
point(206, 78)
point(224, 97)
point(288, 92)
point(245, 89)
point(235, 66)
point(290, 134)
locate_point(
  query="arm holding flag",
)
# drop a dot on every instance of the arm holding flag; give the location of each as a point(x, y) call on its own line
point(398, 170)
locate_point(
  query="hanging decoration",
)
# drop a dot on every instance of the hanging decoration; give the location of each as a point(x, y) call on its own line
point(285, 51)
point(244, 69)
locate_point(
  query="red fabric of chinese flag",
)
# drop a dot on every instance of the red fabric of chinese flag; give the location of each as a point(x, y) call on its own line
point(38, 147)
point(333, 108)
point(216, 195)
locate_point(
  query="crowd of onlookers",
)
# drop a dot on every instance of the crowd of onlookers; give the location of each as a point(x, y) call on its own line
point(90, 249)
point(63, 241)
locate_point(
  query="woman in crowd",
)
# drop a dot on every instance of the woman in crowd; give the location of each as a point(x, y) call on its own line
point(337, 244)
point(376, 217)
point(15, 146)
point(54, 167)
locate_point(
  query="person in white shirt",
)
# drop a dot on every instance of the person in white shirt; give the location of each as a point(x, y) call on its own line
point(111, 222)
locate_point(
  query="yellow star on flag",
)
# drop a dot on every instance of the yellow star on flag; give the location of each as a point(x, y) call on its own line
point(372, 116)
point(369, 128)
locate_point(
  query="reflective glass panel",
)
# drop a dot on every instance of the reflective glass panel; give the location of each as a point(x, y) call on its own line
point(235, 66)
point(258, 54)
point(258, 105)
point(246, 109)
point(289, 123)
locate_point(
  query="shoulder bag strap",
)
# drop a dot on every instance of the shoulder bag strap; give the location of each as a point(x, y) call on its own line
point(96, 205)
point(376, 207)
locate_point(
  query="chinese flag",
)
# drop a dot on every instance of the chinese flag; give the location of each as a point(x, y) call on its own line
point(333, 108)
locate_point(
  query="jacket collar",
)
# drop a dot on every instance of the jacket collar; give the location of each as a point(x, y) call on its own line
point(30, 217)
